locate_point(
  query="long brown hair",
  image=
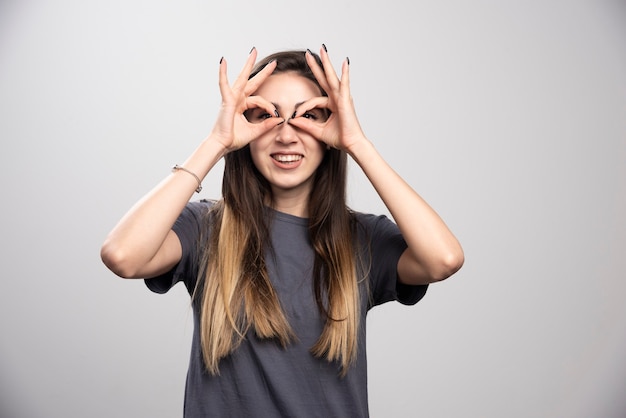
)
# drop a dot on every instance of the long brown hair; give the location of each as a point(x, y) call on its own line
point(235, 289)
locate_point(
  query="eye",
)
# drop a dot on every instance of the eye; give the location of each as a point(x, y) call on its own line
point(317, 115)
point(256, 115)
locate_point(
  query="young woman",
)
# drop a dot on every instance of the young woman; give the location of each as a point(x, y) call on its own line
point(280, 271)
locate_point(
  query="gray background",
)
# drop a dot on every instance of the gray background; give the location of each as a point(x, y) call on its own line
point(509, 117)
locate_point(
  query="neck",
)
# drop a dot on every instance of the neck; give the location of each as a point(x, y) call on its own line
point(299, 210)
point(296, 205)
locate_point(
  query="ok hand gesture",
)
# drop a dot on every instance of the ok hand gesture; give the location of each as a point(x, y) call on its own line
point(342, 129)
point(232, 130)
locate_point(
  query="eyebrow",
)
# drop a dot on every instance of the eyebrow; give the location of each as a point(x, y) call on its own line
point(295, 107)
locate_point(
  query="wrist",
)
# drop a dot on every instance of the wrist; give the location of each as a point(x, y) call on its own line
point(216, 145)
point(361, 149)
point(181, 168)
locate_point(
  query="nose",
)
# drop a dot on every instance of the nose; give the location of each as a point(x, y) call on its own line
point(286, 133)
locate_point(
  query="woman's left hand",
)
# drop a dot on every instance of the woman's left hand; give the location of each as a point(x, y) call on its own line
point(342, 129)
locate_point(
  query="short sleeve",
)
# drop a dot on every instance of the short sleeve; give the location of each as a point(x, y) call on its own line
point(382, 245)
point(187, 228)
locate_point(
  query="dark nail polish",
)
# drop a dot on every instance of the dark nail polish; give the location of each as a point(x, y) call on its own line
point(221, 59)
point(309, 51)
point(251, 50)
point(294, 115)
point(276, 113)
point(324, 46)
point(280, 123)
point(348, 59)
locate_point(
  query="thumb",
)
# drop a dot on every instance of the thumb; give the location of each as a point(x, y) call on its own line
point(267, 125)
point(306, 125)
point(316, 130)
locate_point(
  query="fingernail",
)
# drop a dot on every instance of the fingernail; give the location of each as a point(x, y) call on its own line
point(348, 59)
point(309, 51)
point(276, 113)
point(294, 114)
point(280, 123)
point(269, 62)
point(251, 50)
point(221, 59)
point(324, 46)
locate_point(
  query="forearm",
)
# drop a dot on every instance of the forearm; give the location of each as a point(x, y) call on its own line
point(433, 250)
point(139, 235)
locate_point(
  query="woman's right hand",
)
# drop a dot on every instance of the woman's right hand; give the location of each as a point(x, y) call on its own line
point(232, 129)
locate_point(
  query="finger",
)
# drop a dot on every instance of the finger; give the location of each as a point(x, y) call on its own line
point(242, 79)
point(253, 102)
point(345, 76)
point(318, 71)
point(329, 71)
point(255, 82)
point(321, 102)
point(266, 126)
point(223, 79)
point(316, 130)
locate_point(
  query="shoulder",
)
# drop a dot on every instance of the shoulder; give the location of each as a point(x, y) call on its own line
point(197, 210)
point(201, 206)
point(373, 224)
point(192, 220)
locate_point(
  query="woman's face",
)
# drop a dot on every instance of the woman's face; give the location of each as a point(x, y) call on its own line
point(287, 156)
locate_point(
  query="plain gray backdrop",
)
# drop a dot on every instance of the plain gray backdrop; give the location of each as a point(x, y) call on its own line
point(509, 117)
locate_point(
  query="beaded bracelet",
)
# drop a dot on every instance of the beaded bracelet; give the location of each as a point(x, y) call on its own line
point(179, 167)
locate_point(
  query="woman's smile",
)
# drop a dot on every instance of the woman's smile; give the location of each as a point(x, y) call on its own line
point(286, 156)
point(287, 160)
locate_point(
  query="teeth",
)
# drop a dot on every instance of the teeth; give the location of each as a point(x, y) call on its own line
point(287, 158)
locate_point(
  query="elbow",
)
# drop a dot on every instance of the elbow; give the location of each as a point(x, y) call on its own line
point(413, 271)
point(454, 262)
point(447, 266)
point(116, 260)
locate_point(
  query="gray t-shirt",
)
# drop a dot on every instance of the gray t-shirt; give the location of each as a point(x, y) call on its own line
point(262, 379)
